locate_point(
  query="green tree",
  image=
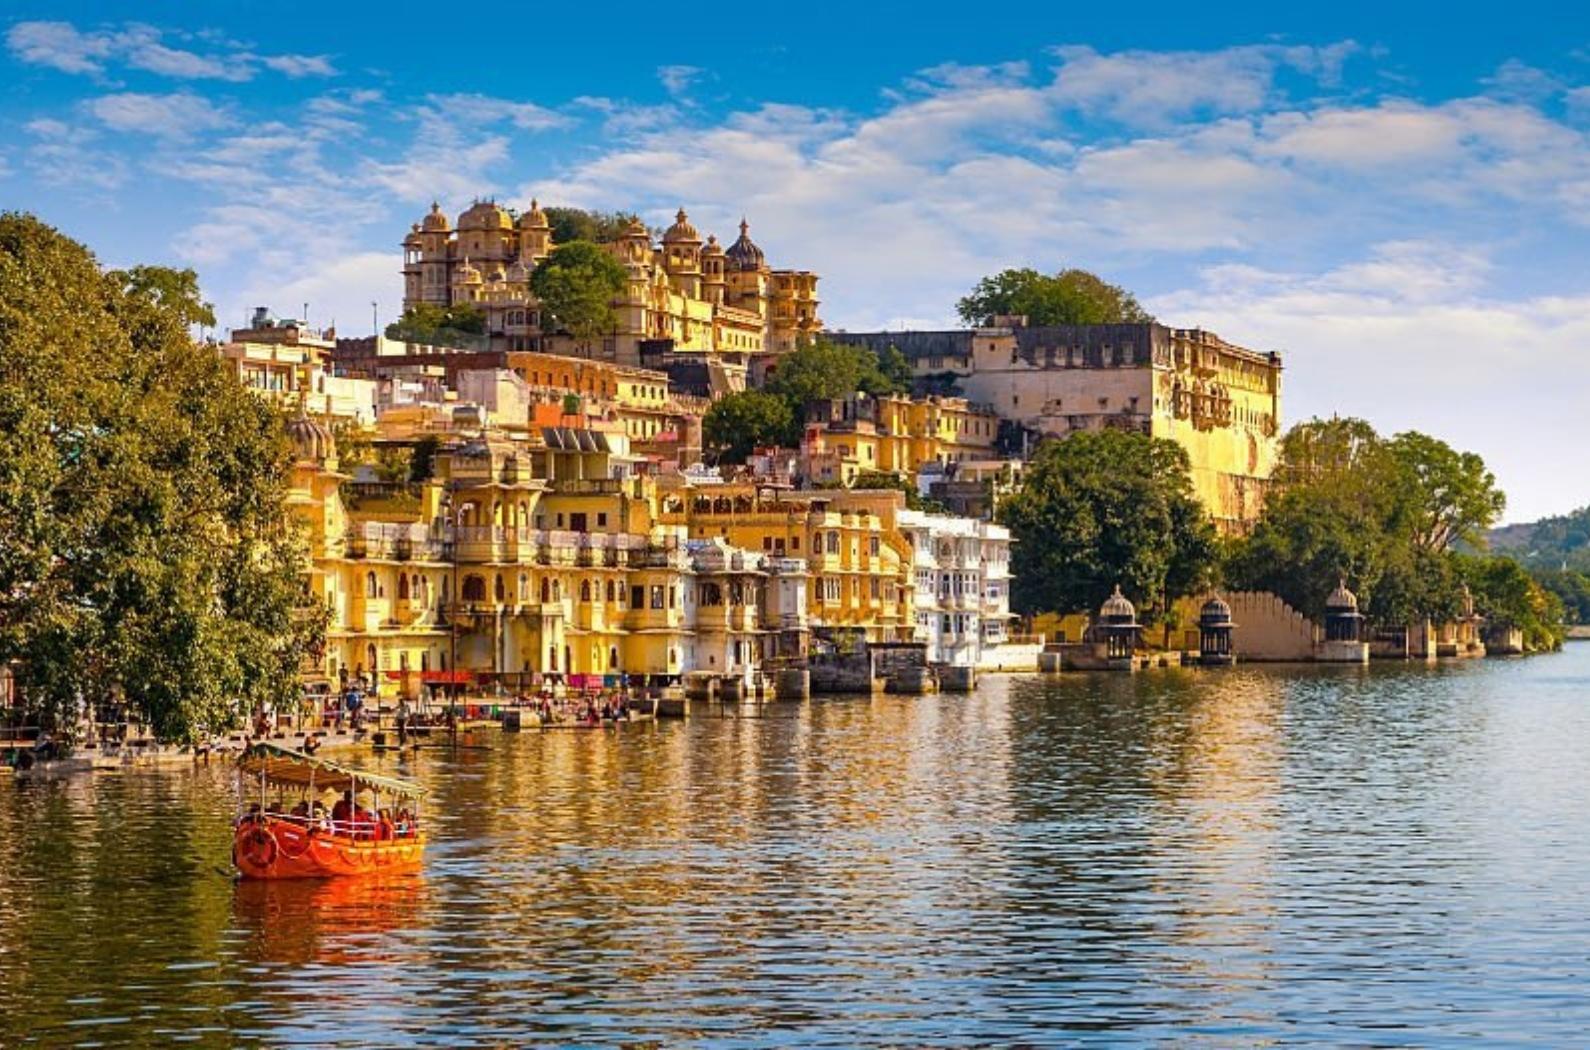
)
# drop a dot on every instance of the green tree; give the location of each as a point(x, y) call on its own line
point(576, 285)
point(1455, 497)
point(1068, 297)
point(1507, 596)
point(1572, 589)
point(577, 224)
point(174, 290)
point(146, 551)
point(1384, 515)
point(1102, 508)
point(459, 324)
point(738, 423)
point(826, 370)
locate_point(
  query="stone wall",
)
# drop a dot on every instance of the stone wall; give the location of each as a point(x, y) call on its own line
point(1269, 629)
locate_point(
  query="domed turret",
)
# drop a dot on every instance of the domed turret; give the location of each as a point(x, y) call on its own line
point(312, 440)
point(1215, 612)
point(535, 218)
point(485, 215)
point(1117, 609)
point(1341, 599)
point(743, 254)
point(681, 232)
point(713, 247)
point(435, 221)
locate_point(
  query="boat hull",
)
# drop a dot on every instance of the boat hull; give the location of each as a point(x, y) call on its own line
point(282, 849)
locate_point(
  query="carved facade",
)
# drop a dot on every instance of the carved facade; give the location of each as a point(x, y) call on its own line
point(683, 294)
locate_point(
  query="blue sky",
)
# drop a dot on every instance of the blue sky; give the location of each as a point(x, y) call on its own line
point(1396, 196)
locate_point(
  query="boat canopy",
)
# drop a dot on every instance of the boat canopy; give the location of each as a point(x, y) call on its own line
point(283, 765)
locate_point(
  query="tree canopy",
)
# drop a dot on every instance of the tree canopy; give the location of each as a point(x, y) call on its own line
point(1107, 507)
point(578, 224)
point(146, 552)
point(825, 370)
point(1389, 516)
point(1068, 297)
point(738, 423)
point(576, 285)
point(432, 323)
point(167, 288)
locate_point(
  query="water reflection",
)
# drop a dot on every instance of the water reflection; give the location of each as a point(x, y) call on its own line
point(1252, 856)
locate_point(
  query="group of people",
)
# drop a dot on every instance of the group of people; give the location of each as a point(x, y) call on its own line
point(346, 817)
point(587, 711)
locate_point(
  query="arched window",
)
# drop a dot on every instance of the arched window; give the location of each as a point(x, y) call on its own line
point(546, 590)
point(612, 658)
point(524, 587)
point(610, 590)
point(403, 587)
point(373, 656)
point(474, 589)
point(369, 585)
point(585, 590)
point(499, 589)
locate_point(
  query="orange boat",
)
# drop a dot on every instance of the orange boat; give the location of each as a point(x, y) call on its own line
point(274, 841)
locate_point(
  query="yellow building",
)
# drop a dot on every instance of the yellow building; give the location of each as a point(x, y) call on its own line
point(682, 294)
point(859, 562)
point(845, 438)
point(1219, 401)
point(522, 562)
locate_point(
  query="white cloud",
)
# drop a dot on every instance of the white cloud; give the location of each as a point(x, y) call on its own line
point(175, 116)
point(677, 80)
point(483, 110)
point(1151, 88)
point(59, 45)
point(338, 291)
point(297, 66)
point(62, 46)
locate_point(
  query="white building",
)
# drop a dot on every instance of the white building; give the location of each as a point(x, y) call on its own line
point(962, 570)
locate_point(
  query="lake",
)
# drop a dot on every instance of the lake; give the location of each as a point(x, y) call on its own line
point(1390, 856)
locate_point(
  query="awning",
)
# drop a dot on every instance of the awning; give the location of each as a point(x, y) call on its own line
point(447, 677)
point(283, 765)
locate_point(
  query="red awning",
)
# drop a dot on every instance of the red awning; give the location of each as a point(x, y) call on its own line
point(447, 677)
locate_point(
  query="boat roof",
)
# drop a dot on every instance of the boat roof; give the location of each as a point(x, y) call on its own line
point(283, 765)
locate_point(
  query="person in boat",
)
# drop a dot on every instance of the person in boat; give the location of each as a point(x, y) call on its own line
point(317, 814)
point(311, 744)
point(342, 812)
point(301, 811)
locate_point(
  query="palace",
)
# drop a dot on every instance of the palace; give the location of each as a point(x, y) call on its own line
point(683, 295)
point(1218, 401)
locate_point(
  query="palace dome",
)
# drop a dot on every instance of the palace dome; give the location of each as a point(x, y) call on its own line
point(434, 221)
point(535, 218)
point(1342, 599)
point(312, 440)
point(1215, 612)
point(681, 230)
point(744, 253)
point(1117, 608)
point(713, 247)
point(485, 215)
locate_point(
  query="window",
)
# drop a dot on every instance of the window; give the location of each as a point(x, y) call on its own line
point(474, 589)
point(656, 596)
point(585, 590)
point(637, 597)
point(369, 585)
point(601, 519)
point(872, 546)
point(673, 596)
point(610, 589)
point(877, 588)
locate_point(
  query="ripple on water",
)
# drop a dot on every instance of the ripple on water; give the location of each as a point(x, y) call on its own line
point(1391, 856)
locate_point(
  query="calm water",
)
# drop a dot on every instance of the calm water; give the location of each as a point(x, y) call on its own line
point(1391, 857)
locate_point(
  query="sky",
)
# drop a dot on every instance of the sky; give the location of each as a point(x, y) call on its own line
point(1395, 196)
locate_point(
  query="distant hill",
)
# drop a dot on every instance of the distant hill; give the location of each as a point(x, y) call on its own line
point(1548, 543)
